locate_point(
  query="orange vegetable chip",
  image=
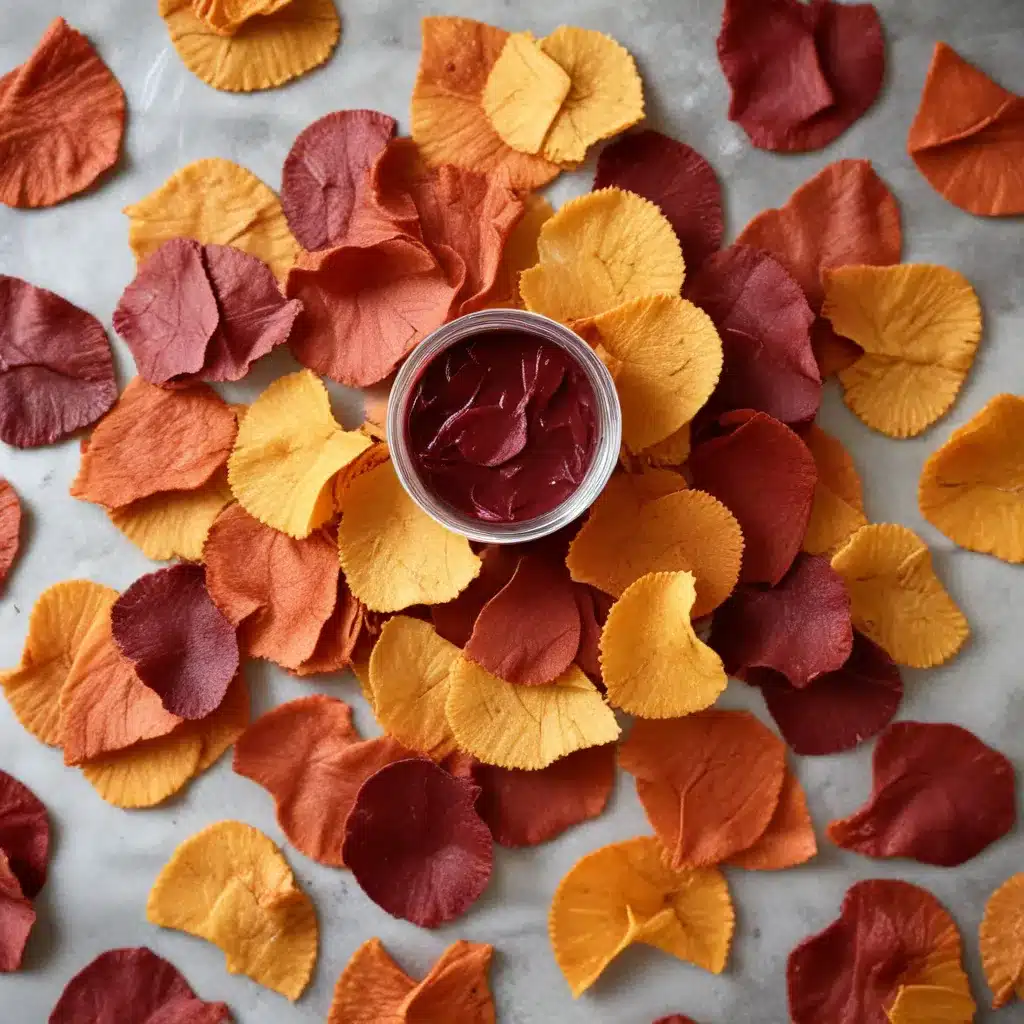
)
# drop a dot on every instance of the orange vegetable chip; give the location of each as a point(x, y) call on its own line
point(652, 663)
point(229, 884)
point(338, 637)
point(60, 621)
point(896, 598)
point(919, 326)
point(1001, 936)
point(61, 120)
point(837, 510)
point(967, 138)
point(789, 839)
point(972, 488)
point(931, 1004)
point(284, 40)
point(710, 782)
point(447, 114)
point(10, 528)
point(624, 893)
point(520, 251)
point(672, 451)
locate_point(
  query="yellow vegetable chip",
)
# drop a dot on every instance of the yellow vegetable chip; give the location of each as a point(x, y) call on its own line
point(215, 202)
point(286, 41)
point(600, 251)
point(624, 893)
point(59, 623)
point(673, 450)
point(606, 96)
point(288, 450)
point(409, 669)
point(919, 326)
point(228, 16)
point(652, 663)
point(526, 727)
point(972, 488)
point(394, 555)
point(895, 597)
point(1002, 941)
point(666, 358)
point(931, 1004)
point(524, 93)
point(838, 508)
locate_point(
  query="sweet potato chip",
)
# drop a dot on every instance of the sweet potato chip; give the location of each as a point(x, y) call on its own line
point(60, 620)
point(226, 17)
point(764, 474)
point(967, 138)
point(219, 730)
point(288, 450)
point(371, 987)
point(153, 441)
point(709, 782)
point(24, 834)
point(972, 488)
point(896, 598)
point(839, 710)
point(415, 843)
point(61, 120)
point(919, 326)
point(799, 628)
point(652, 663)
point(10, 528)
point(673, 451)
point(999, 938)
point(215, 202)
point(800, 74)
point(230, 885)
point(931, 1004)
point(889, 934)
point(837, 511)
point(939, 796)
point(599, 251)
point(447, 116)
point(16, 918)
point(339, 636)
point(179, 642)
point(788, 840)
point(394, 555)
point(265, 51)
point(133, 985)
point(624, 893)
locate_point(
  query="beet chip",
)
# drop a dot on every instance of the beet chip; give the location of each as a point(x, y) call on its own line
point(594, 606)
point(677, 179)
point(889, 934)
point(800, 628)
point(24, 834)
point(416, 844)
point(180, 643)
point(939, 796)
point(16, 918)
point(56, 370)
point(10, 527)
point(800, 73)
point(764, 322)
point(765, 475)
point(133, 986)
point(61, 120)
point(839, 710)
point(675, 1018)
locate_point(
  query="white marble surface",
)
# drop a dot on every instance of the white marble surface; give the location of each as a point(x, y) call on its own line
point(106, 859)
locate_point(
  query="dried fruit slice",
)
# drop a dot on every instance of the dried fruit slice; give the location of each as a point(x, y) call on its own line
point(24, 834)
point(838, 508)
point(10, 528)
point(789, 838)
point(999, 936)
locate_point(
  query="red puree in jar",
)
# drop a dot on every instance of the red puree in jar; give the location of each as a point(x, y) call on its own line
point(502, 426)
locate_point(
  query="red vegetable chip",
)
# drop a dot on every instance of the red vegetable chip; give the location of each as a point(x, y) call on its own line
point(800, 73)
point(677, 179)
point(16, 918)
point(182, 646)
point(764, 322)
point(416, 844)
point(133, 986)
point(455, 620)
point(326, 174)
point(594, 606)
point(765, 475)
point(939, 796)
point(839, 710)
point(675, 1018)
point(800, 628)
point(529, 632)
point(56, 370)
point(24, 834)
point(10, 527)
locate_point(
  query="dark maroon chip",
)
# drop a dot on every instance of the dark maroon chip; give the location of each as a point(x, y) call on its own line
point(24, 834)
point(594, 606)
point(675, 1018)
point(416, 844)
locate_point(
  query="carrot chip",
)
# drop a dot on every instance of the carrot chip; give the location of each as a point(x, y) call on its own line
point(17, 918)
point(999, 937)
point(132, 985)
point(837, 511)
point(789, 838)
point(56, 369)
point(10, 528)
point(256, 45)
point(939, 796)
point(624, 893)
point(896, 598)
point(180, 644)
point(891, 936)
point(673, 673)
point(24, 834)
point(931, 1004)
point(967, 138)
point(339, 637)
point(415, 843)
point(972, 488)
point(709, 782)
point(230, 885)
point(61, 120)
point(919, 326)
